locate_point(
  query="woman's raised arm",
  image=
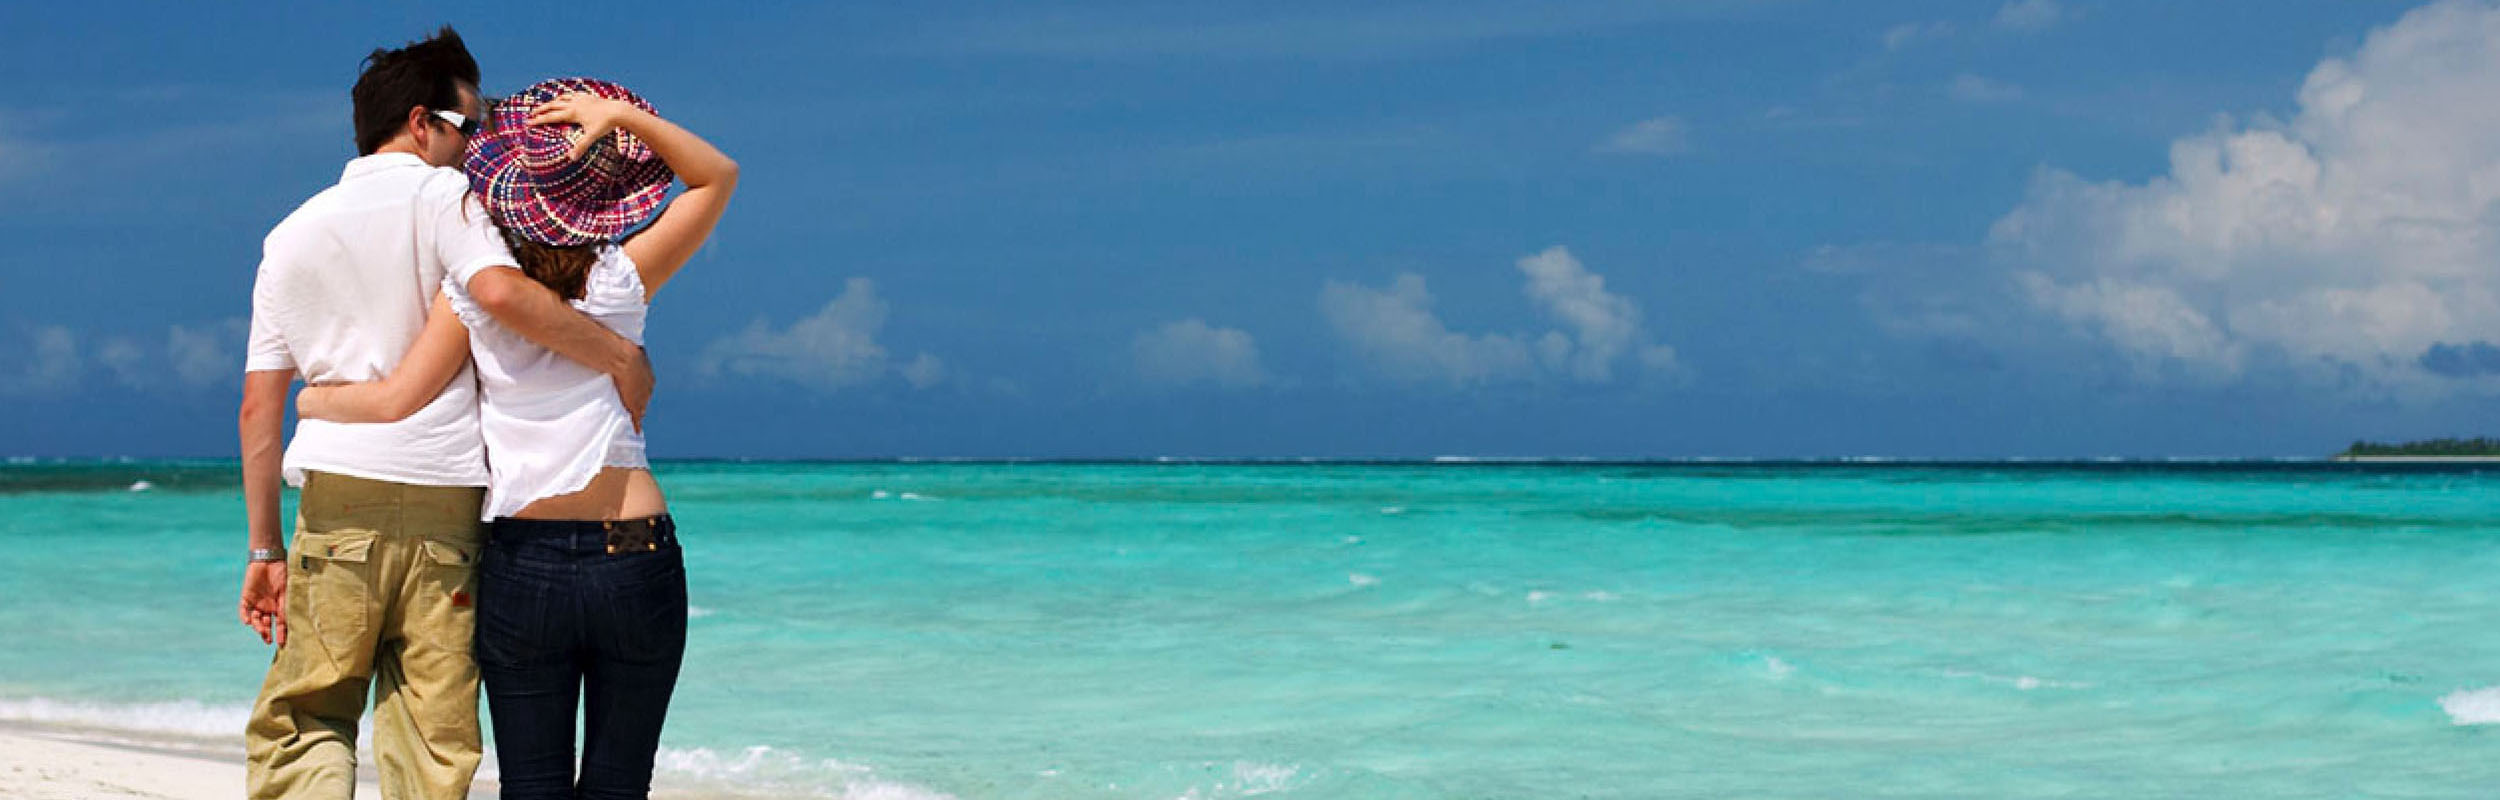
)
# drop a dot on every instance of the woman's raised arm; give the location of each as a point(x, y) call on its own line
point(441, 350)
point(710, 176)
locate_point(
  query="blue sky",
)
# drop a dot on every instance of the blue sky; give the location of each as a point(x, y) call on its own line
point(1617, 229)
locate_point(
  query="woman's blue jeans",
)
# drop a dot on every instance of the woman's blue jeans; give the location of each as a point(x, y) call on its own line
point(563, 622)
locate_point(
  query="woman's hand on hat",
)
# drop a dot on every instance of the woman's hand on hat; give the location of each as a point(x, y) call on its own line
point(598, 116)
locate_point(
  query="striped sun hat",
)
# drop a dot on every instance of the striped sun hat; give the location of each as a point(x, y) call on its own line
point(521, 173)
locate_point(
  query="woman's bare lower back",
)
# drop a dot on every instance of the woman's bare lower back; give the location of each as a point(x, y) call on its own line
point(615, 493)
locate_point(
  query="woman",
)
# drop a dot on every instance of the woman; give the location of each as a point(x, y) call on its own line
point(582, 589)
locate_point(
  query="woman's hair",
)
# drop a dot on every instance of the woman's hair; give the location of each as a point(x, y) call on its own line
point(564, 269)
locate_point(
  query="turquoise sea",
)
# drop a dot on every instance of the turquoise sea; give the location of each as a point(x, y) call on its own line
point(1432, 630)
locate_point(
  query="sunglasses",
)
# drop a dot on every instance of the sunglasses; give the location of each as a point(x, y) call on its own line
point(468, 127)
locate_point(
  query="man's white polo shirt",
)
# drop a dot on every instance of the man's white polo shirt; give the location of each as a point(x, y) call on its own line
point(342, 293)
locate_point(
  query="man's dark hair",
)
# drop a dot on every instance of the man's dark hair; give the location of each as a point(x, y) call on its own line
point(428, 73)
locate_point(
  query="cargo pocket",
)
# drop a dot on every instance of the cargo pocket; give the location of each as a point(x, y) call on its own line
point(334, 572)
point(451, 564)
point(443, 614)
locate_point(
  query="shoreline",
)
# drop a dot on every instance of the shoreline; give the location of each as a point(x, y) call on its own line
point(45, 762)
point(40, 761)
point(72, 761)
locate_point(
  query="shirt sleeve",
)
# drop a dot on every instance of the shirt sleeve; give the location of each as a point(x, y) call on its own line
point(464, 238)
point(266, 349)
point(465, 307)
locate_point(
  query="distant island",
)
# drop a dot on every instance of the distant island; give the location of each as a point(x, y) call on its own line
point(2475, 448)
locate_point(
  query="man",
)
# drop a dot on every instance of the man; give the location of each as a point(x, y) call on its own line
point(375, 596)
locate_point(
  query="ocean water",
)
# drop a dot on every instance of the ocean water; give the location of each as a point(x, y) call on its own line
point(1179, 630)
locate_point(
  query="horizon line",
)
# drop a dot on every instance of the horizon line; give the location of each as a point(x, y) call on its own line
point(1437, 460)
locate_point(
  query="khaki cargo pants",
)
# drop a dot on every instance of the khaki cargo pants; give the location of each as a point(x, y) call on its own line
point(378, 593)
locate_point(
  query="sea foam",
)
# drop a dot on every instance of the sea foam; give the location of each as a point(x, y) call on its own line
point(2021, 682)
point(771, 771)
point(1251, 779)
point(180, 718)
point(1778, 669)
point(774, 772)
point(2472, 706)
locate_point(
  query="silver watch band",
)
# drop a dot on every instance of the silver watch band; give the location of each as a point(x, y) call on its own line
point(265, 554)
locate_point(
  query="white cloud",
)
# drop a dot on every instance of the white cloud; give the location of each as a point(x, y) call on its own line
point(193, 356)
point(2152, 324)
point(1191, 351)
point(207, 356)
point(1970, 88)
point(1910, 33)
point(924, 371)
point(127, 361)
point(1604, 326)
point(1395, 330)
point(833, 349)
point(2354, 238)
point(50, 363)
point(2029, 15)
point(1657, 136)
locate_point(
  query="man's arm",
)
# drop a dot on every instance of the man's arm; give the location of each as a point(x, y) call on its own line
point(260, 425)
point(534, 311)
point(475, 260)
point(442, 348)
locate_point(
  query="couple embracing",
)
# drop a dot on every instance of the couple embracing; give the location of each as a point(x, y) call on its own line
point(466, 308)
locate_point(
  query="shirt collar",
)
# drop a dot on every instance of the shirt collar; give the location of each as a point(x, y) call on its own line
point(366, 165)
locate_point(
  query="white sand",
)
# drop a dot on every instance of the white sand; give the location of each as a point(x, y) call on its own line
point(38, 764)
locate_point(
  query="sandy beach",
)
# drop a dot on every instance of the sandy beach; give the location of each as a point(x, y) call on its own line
point(49, 764)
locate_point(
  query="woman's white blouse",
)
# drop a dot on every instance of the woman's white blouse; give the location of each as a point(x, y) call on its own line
point(551, 423)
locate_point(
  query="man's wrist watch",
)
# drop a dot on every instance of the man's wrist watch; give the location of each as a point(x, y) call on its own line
point(262, 555)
